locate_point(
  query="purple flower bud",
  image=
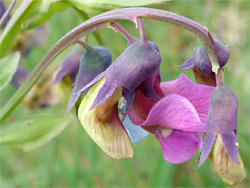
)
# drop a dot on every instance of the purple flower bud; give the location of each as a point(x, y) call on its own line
point(136, 64)
point(70, 66)
point(222, 119)
point(93, 62)
point(19, 76)
point(202, 61)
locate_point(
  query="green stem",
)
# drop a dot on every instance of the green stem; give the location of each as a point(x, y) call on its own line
point(103, 20)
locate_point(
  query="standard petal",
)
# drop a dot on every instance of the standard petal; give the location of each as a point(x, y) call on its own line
point(178, 146)
point(104, 125)
point(199, 95)
point(207, 145)
point(174, 112)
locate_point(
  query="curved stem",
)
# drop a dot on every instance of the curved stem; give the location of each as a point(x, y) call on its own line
point(103, 20)
point(84, 45)
point(142, 32)
point(219, 77)
point(121, 30)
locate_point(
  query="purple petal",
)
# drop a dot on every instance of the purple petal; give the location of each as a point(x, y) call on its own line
point(206, 147)
point(187, 64)
point(105, 92)
point(230, 143)
point(178, 146)
point(70, 65)
point(199, 95)
point(19, 76)
point(175, 112)
point(223, 109)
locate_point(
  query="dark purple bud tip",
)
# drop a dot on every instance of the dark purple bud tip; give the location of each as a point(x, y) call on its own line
point(222, 118)
point(70, 65)
point(93, 62)
point(19, 76)
point(202, 61)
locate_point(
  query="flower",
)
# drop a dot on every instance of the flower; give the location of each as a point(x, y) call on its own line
point(176, 119)
point(222, 119)
point(70, 65)
point(138, 62)
point(202, 66)
point(93, 62)
point(98, 112)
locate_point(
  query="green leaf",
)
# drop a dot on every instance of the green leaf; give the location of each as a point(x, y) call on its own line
point(47, 10)
point(8, 67)
point(13, 27)
point(34, 131)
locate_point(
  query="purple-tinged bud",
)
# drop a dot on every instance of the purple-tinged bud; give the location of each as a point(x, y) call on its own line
point(93, 62)
point(202, 61)
point(19, 76)
point(70, 65)
point(222, 120)
point(136, 64)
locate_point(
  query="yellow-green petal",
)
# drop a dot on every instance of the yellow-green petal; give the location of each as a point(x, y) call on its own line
point(104, 125)
point(224, 166)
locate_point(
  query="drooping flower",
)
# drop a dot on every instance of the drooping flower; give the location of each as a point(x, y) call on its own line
point(98, 111)
point(176, 119)
point(201, 64)
point(93, 62)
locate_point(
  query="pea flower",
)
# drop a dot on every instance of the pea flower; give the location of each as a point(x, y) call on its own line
point(176, 119)
point(94, 61)
point(201, 65)
point(98, 111)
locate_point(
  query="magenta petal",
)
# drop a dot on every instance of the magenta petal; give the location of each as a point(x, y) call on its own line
point(199, 95)
point(206, 147)
point(174, 112)
point(230, 142)
point(179, 146)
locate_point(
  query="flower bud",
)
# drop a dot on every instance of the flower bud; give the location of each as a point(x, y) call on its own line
point(202, 61)
point(93, 62)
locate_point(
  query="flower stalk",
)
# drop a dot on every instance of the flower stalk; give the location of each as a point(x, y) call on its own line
point(100, 21)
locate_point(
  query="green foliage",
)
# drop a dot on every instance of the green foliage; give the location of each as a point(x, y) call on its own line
point(34, 131)
point(8, 67)
point(13, 27)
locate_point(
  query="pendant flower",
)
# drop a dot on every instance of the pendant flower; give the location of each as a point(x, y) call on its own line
point(98, 111)
point(176, 119)
point(222, 120)
point(201, 65)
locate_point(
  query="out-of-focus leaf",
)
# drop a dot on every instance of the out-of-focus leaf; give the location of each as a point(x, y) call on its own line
point(13, 27)
point(47, 10)
point(8, 67)
point(34, 131)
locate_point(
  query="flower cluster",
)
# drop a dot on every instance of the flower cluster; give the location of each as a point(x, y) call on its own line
point(125, 100)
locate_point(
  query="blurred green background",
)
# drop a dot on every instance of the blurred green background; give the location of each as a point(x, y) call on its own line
point(73, 160)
